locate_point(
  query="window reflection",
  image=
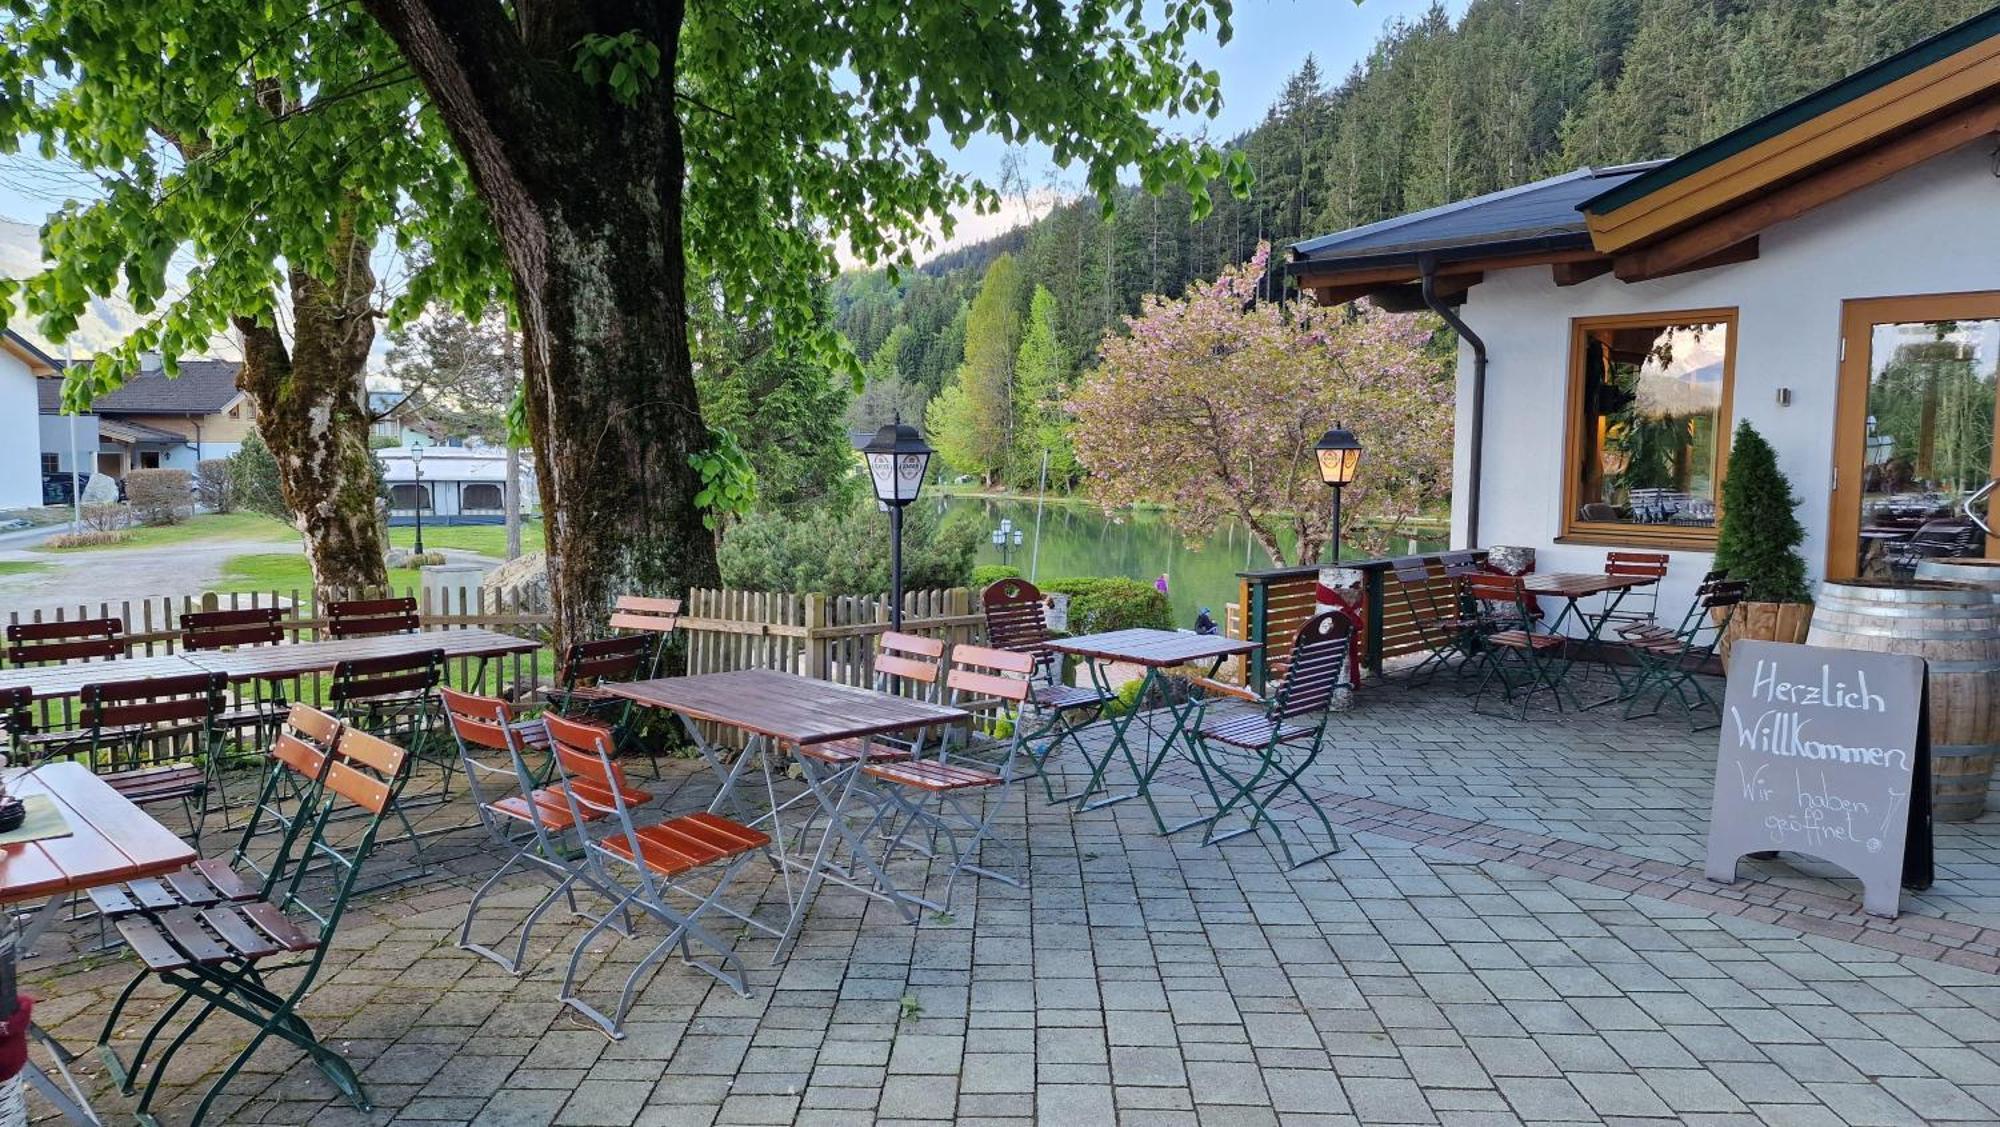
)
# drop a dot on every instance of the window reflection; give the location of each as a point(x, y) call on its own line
point(1651, 410)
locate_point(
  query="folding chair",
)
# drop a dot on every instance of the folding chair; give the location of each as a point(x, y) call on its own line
point(1674, 662)
point(1278, 741)
point(45, 643)
point(294, 766)
point(1437, 608)
point(587, 667)
point(17, 716)
point(660, 858)
point(226, 956)
point(371, 618)
point(154, 740)
point(530, 819)
point(392, 696)
point(1541, 655)
point(1641, 605)
point(932, 794)
point(233, 629)
point(1017, 621)
point(657, 618)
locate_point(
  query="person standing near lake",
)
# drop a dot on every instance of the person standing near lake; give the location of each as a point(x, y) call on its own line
point(1160, 584)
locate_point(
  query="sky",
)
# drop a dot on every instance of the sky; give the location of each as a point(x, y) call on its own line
point(1272, 37)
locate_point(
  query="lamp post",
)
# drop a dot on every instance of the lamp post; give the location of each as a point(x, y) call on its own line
point(1007, 538)
point(897, 458)
point(417, 461)
point(1339, 456)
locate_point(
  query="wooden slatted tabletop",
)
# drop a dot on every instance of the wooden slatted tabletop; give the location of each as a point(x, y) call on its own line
point(298, 659)
point(1577, 585)
point(785, 707)
point(114, 841)
point(1156, 648)
point(69, 678)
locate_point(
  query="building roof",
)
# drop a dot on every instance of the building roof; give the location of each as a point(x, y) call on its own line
point(204, 387)
point(1818, 104)
point(131, 433)
point(453, 463)
point(38, 361)
point(1541, 216)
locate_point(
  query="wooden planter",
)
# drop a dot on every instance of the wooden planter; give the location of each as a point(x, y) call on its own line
point(1766, 622)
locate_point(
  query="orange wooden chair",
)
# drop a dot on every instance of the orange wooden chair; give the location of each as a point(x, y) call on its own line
point(522, 814)
point(658, 857)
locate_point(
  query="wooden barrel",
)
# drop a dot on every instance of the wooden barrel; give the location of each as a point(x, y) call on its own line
point(1974, 572)
point(1956, 629)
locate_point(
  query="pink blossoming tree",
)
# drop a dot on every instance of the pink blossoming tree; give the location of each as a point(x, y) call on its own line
point(1214, 411)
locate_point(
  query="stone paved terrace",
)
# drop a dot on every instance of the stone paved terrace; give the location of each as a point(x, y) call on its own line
point(1513, 934)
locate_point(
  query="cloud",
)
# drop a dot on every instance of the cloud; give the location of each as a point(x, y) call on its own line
point(972, 227)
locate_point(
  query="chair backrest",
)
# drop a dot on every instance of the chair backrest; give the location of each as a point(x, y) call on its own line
point(367, 618)
point(370, 678)
point(17, 715)
point(982, 671)
point(1596, 510)
point(477, 721)
point(222, 629)
point(1951, 535)
point(80, 639)
point(364, 773)
point(1319, 659)
point(1014, 616)
point(312, 725)
point(1637, 565)
point(1489, 588)
point(620, 658)
point(153, 700)
point(1459, 563)
point(652, 616)
point(908, 662)
point(590, 775)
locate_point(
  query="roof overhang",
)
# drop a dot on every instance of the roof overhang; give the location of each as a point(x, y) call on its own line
point(39, 363)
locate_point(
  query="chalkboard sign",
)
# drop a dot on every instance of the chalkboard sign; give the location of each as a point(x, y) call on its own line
point(1825, 752)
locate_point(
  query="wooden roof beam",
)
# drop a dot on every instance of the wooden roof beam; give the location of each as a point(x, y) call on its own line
point(1675, 253)
point(1573, 273)
point(1634, 267)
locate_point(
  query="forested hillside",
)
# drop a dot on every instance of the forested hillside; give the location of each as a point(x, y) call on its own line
point(1440, 110)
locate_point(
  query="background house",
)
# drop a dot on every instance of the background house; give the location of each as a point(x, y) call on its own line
point(397, 419)
point(1829, 272)
point(22, 368)
point(153, 422)
point(456, 485)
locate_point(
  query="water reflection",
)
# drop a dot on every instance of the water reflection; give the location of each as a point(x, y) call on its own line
point(1138, 544)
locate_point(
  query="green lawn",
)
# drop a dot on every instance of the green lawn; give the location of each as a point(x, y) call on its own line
point(486, 539)
point(285, 572)
point(22, 567)
point(206, 526)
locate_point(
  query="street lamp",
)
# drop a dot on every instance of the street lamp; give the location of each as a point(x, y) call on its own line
point(1006, 538)
point(897, 457)
point(417, 461)
point(1339, 456)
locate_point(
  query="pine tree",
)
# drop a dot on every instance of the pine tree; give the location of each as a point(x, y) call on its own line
point(1041, 378)
point(1760, 535)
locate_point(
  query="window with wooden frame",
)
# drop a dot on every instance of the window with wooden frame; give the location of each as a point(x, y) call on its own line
point(1648, 427)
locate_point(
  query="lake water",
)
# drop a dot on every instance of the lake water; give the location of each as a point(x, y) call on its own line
point(1078, 540)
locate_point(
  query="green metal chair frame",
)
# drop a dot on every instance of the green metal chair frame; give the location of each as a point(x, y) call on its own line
point(1281, 739)
point(1449, 627)
point(226, 957)
point(1674, 663)
point(122, 726)
point(1539, 654)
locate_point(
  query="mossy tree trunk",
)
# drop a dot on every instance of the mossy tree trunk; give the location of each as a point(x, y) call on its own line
point(311, 412)
point(585, 192)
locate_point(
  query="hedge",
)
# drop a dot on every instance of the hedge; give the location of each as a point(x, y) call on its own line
point(158, 496)
point(1097, 604)
point(986, 575)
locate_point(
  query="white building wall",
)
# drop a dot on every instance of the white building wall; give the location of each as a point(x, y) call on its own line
point(20, 435)
point(56, 440)
point(1932, 229)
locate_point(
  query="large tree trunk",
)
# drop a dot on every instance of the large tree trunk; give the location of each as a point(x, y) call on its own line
point(586, 196)
point(311, 414)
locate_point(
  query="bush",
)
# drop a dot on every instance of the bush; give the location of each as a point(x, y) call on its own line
point(214, 484)
point(986, 575)
point(89, 538)
point(1760, 535)
point(157, 496)
point(106, 518)
point(843, 549)
point(1097, 604)
point(255, 474)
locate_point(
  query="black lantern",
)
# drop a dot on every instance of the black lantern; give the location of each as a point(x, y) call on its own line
point(897, 460)
point(1339, 457)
